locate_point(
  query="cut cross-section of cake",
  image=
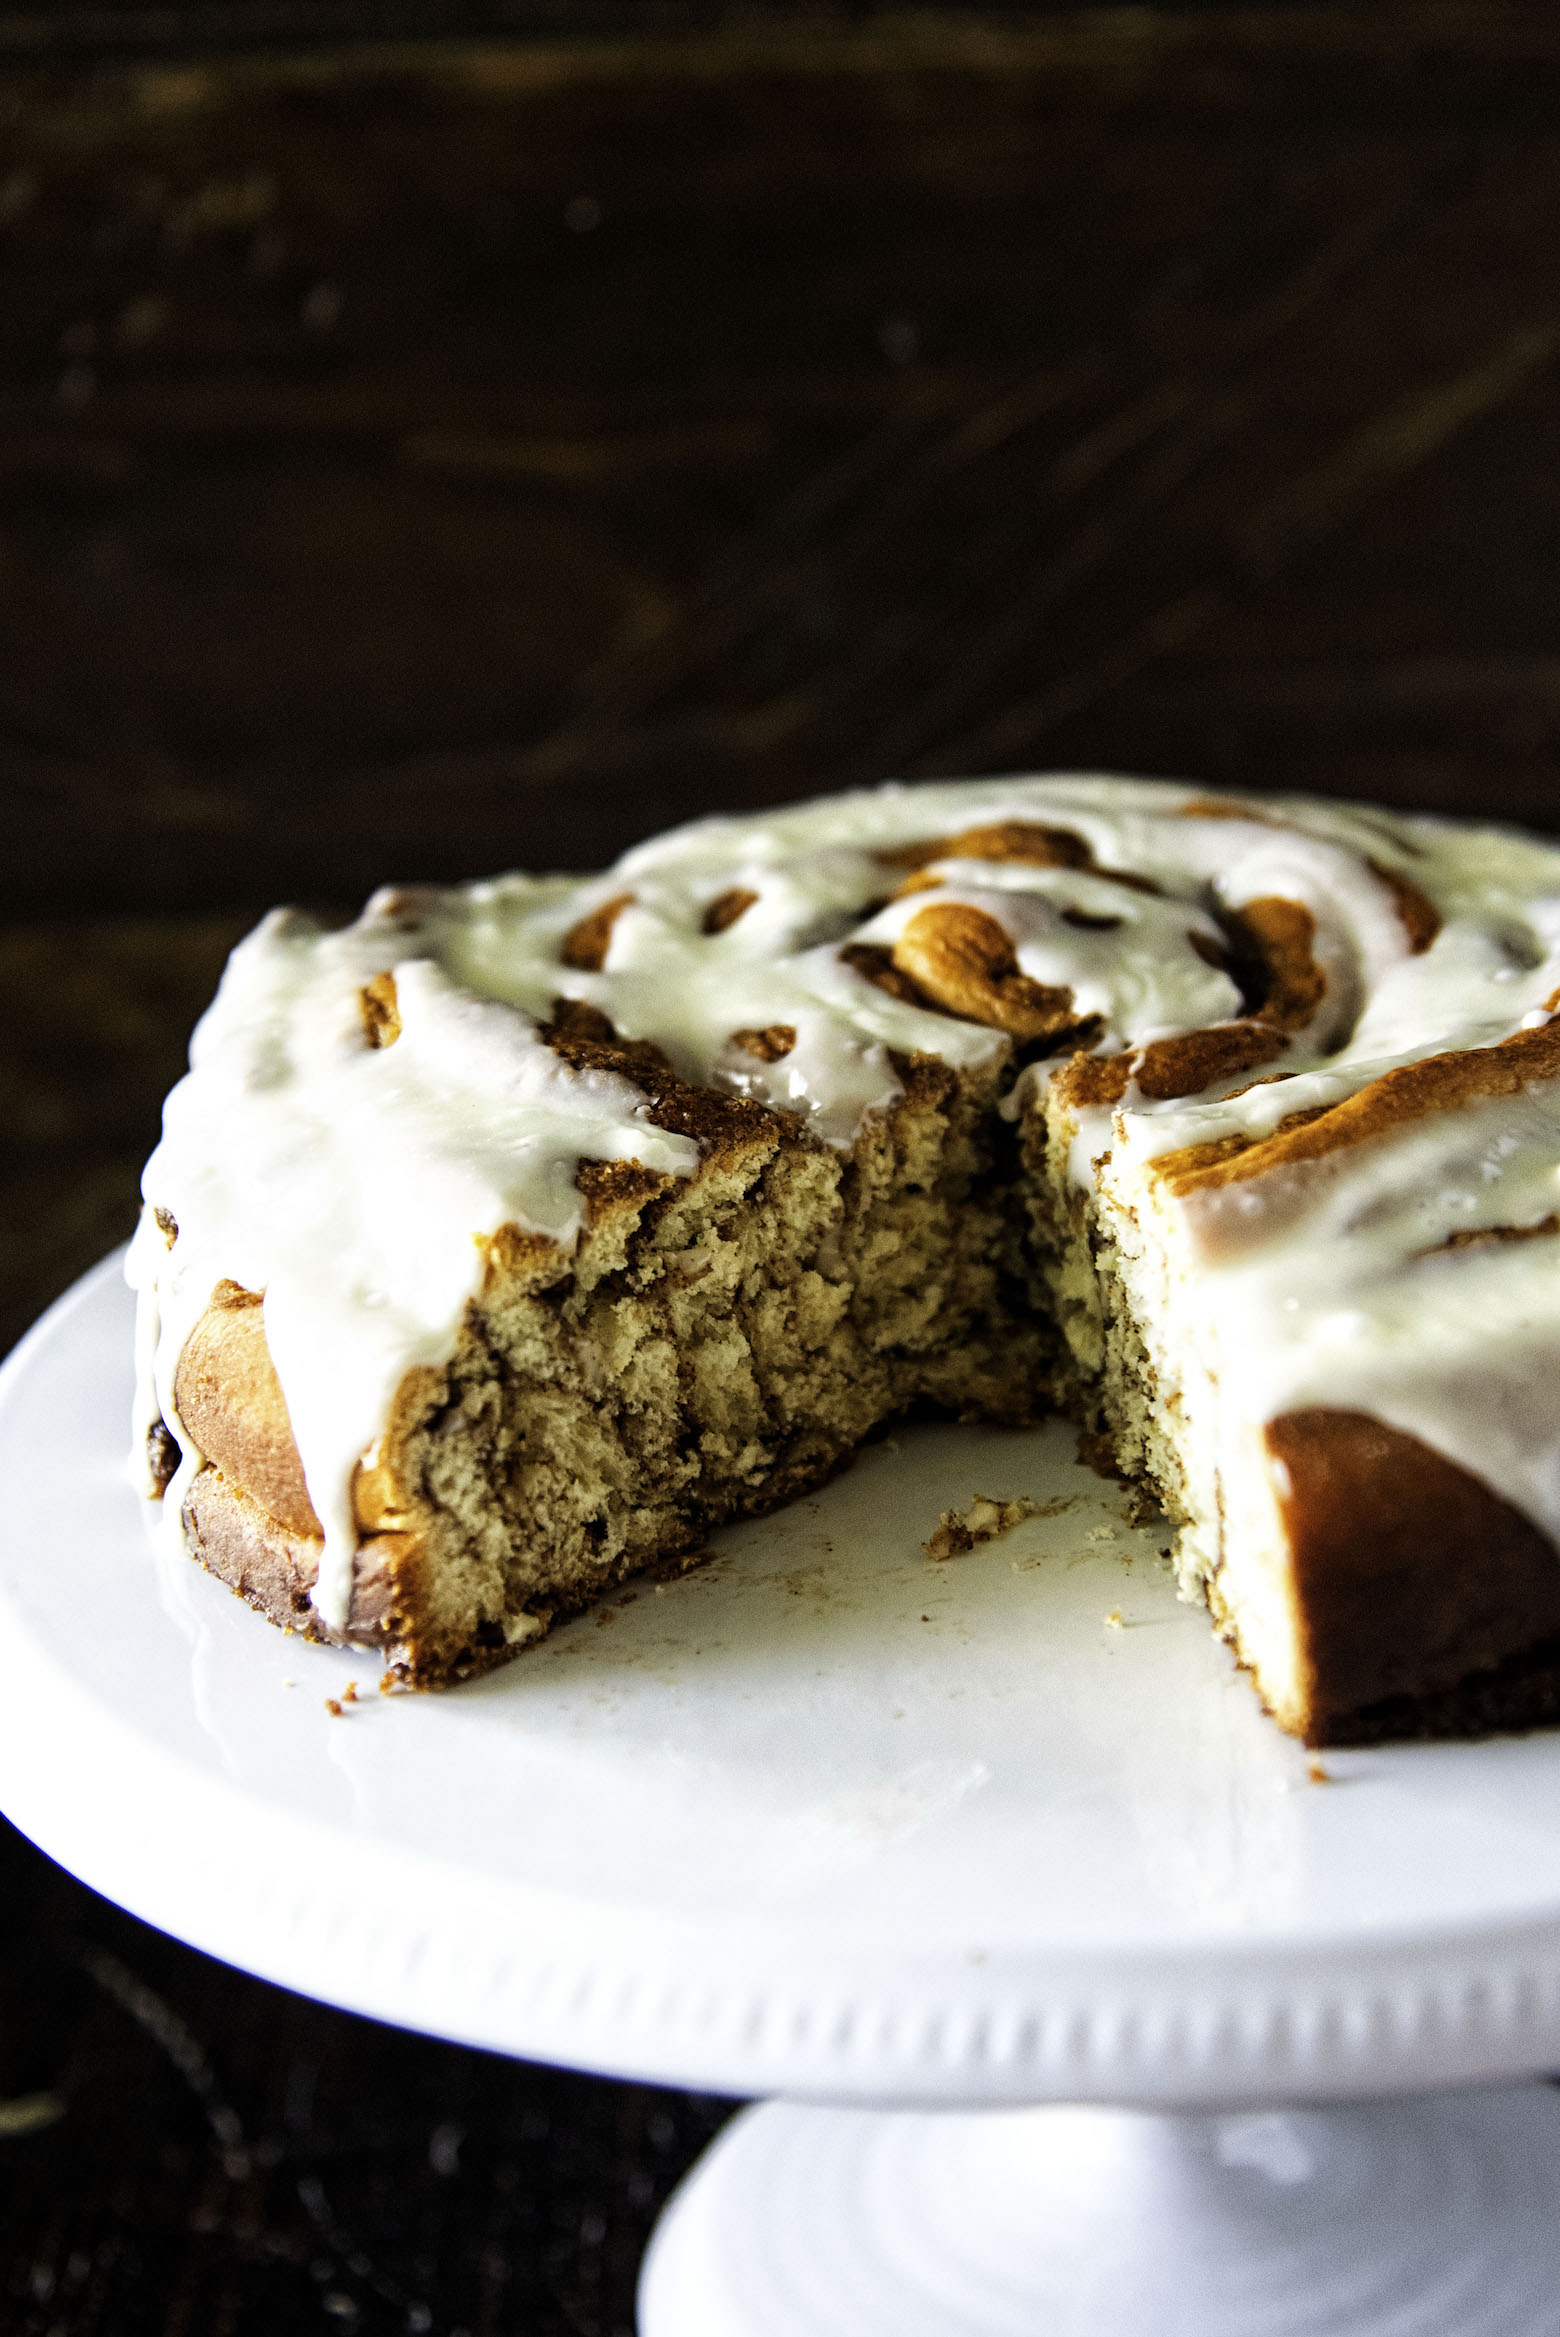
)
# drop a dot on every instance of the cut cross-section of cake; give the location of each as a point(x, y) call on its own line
point(510, 1239)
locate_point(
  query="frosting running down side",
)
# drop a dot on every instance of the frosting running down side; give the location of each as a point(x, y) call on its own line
point(366, 1108)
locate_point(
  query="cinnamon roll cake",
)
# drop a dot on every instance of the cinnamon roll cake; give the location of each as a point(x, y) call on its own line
point(510, 1239)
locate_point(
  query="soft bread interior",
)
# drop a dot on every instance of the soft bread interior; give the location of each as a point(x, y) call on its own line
point(715, 1345)
point(1142, 1369)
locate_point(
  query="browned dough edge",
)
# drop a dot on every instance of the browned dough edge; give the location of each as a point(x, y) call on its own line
point(1414, 1581)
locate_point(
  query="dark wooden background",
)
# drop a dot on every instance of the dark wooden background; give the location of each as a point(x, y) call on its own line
point(438, 437)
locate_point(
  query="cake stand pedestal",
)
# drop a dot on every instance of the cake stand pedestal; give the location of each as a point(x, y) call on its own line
point(999, 1853)
point(1436, 2217)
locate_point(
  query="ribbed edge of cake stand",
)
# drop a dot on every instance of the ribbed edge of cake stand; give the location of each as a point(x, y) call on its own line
point(747, 2009)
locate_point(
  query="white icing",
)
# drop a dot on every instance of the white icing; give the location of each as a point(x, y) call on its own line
point(355, 1185)
point(1333, 1284)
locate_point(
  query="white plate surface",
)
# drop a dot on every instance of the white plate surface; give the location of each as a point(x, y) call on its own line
point(822, 1817)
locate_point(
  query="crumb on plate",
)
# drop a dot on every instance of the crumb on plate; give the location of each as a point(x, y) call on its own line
point(981, 1520)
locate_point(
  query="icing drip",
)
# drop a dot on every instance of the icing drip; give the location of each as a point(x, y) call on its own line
point(354, 1184)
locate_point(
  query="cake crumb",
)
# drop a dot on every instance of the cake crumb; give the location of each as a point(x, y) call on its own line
point(959, 1530)
point(1319, 1773)
point(349, 1694)
point(1114, 1621)
point(334, 1707)
point(671, 1569)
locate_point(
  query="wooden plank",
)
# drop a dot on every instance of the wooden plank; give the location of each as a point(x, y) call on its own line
point(421, 457)
point(100, 1016)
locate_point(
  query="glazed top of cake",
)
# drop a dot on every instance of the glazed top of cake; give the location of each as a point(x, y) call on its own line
point(1351, 1195)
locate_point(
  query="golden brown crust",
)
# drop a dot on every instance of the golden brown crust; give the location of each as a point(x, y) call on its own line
point(1224, 807)
point(1168, 1068)
point(874, 962)
point(589, 1040)
point(1195, 1060)
point(1438, 1083)
point(1410, 1575)
point(233, 1410)
point(530, 1259)
point(722, 1125)
point(726, 908)
point(1089, 1082)
point(920, 880)
point(965, 963)
point(770, 1045)
point(1272, 960)
point(1475, 1237)
point(955, 960)
point(716, 1120)
point(231, 1403)
point(381, 1011)
point(1417, 913)
point(274, 1568)
point(1027, 841)
point(584, 947)
point(610, 1187)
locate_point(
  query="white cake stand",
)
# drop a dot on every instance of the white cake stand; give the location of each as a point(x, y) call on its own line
point(952, 1845)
